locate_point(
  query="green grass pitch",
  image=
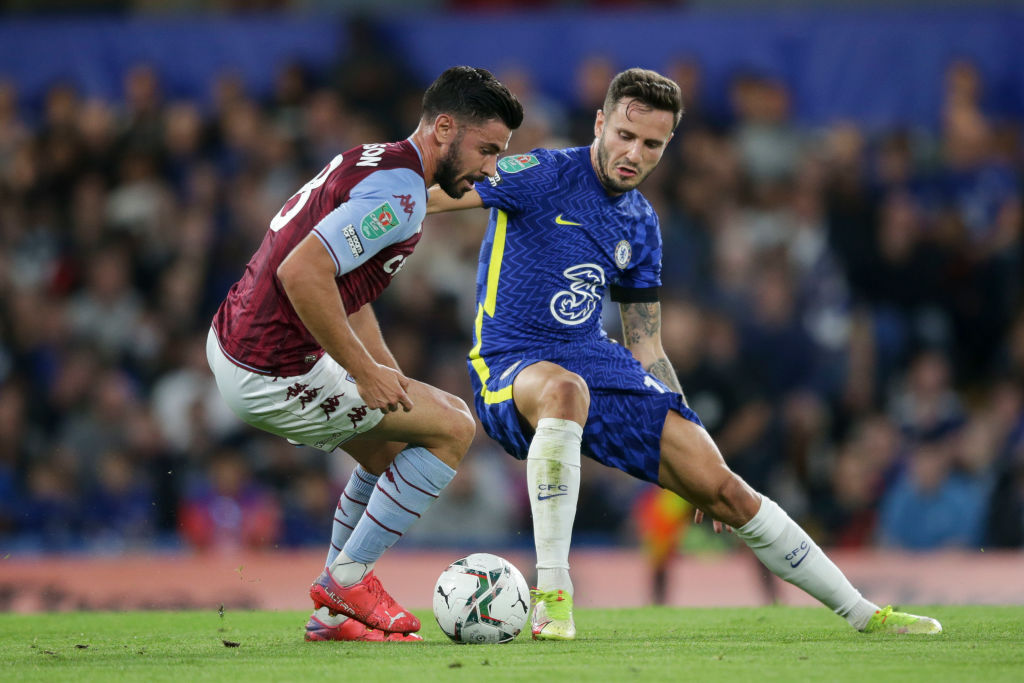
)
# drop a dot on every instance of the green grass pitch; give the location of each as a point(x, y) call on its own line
point(646, 644)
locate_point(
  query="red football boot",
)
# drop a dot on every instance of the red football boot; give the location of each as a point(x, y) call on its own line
point(350, 629)
point(366, 601)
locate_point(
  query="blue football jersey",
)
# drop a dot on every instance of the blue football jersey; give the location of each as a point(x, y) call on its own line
point(555, 242)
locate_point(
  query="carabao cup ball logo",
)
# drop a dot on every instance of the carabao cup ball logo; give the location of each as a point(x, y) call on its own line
point(575, 305)
point(378, 222)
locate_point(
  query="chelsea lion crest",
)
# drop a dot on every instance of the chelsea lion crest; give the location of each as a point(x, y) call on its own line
point(623, 253)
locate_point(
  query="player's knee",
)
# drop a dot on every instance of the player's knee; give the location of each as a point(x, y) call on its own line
point(567, 389)
point(735, 502)
point(460, 426)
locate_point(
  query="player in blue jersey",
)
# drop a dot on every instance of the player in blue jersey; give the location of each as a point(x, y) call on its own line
point(565, 226)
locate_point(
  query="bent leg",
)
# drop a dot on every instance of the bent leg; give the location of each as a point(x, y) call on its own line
point(438, 431)
point(692, 466)
point(373, 458)
point(439, 422)
point(373, 455)
point(555, 403)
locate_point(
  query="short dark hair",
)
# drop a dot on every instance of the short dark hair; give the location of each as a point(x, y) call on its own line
point(474, 95)
point(650, 88)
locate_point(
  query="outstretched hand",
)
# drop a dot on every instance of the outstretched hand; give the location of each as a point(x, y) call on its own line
point(698, 517)
point(384, 389)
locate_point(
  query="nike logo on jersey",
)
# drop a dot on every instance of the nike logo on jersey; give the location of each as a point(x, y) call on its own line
point(541, 496)
point(562, 221)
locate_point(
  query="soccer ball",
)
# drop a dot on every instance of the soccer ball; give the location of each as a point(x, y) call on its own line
point(481, 599)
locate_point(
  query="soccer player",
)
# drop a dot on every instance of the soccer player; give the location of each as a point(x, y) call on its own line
point(565, 225)
point(296, 349)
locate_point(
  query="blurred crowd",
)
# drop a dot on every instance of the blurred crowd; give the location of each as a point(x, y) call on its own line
point(842, 306)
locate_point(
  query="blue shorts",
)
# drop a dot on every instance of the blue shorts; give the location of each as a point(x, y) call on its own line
point(628, 405)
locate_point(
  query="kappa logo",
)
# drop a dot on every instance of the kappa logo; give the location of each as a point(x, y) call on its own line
point(356, 415)
point(379, 222)
point(331, 404)
point(563, 221)
point(517, 163)
point(354, 243)
point(408, 205)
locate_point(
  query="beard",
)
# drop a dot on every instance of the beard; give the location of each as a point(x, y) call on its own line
point(610, 183)
point(448, 175)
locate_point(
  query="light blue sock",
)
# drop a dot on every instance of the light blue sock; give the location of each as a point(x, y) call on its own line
point(404, 492)
point(351, 505)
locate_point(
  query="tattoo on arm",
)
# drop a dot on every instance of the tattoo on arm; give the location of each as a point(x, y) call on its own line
point(663, 370)
point(641, 323)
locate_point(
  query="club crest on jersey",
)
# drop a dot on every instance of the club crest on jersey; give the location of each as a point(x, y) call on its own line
point(517, 163)
point(381, 220)
point(623, 254)
point(349, 231)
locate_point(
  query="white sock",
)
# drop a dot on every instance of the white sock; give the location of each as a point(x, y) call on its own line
point(553, 480)
point(789, 552)
point(325, 617)
point(347, 571)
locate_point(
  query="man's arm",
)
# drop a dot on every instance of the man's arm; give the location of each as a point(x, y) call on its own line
point(307, 275)
point(364, 324)
point(641, 331)
point(438, 200)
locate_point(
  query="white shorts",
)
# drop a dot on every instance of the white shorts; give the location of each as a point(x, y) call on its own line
point(321, 408)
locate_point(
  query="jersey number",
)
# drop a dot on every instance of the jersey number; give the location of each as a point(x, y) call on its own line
point(299, 199)
point(649, 381)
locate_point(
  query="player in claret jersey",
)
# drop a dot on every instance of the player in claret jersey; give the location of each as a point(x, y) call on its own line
point(296, 349)
point(566, 225)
